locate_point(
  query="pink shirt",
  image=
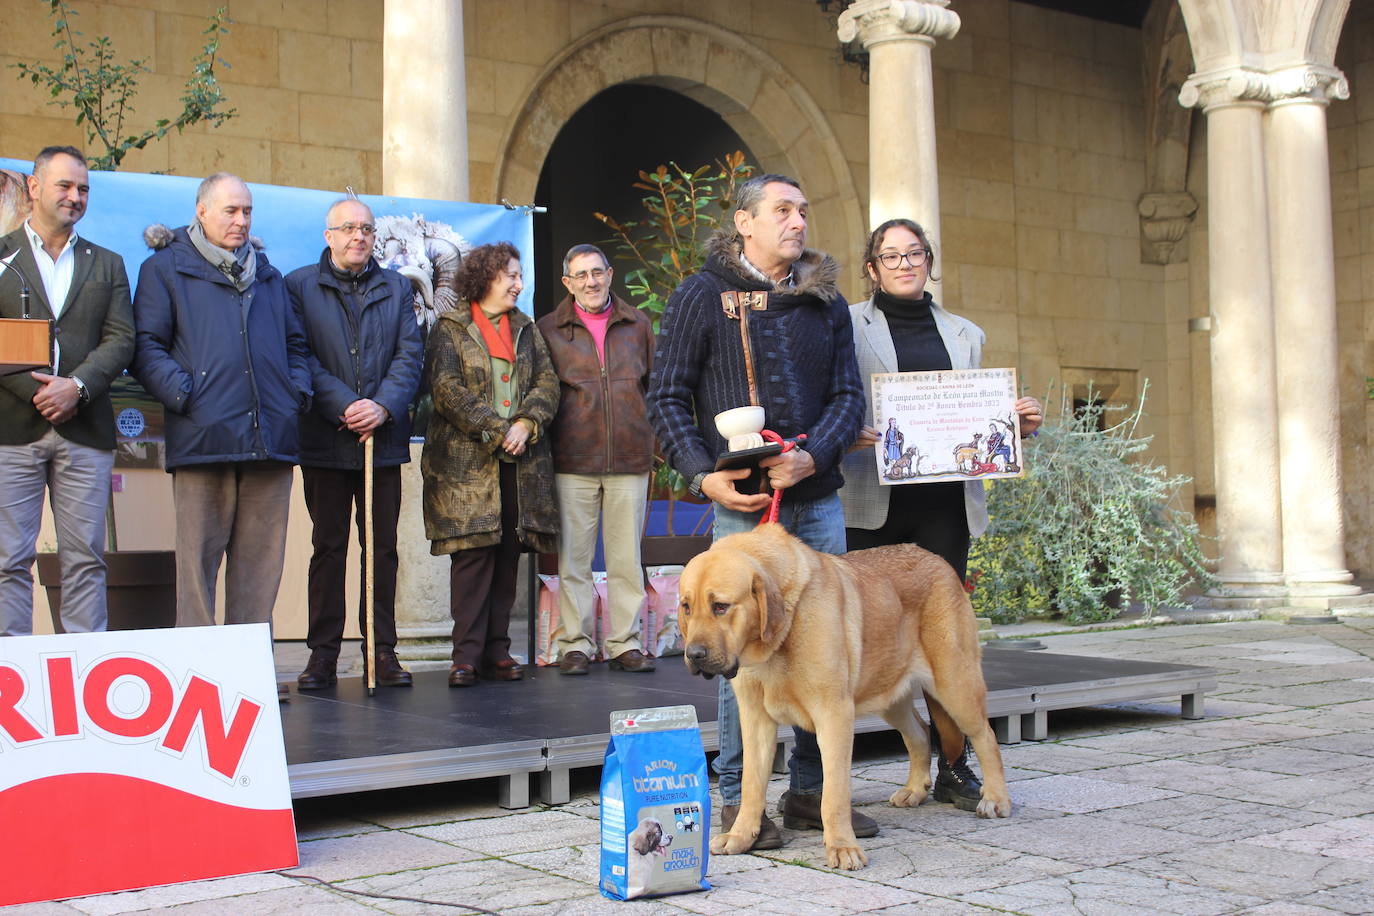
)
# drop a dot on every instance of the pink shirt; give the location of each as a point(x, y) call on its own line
point(597, 323)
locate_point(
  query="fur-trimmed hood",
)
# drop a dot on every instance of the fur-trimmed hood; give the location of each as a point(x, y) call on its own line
point(815, 272)
point(158, 236)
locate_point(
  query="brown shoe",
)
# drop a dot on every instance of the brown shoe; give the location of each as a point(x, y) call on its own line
point(803, 812)
point(389, 670)
point(573, 663)
point(462, 676)
point(319, 673)
point(632, 660)
point(769, 836)
point(507, 669)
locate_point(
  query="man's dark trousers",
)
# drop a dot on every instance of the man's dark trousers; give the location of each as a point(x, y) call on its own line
point(331, 495)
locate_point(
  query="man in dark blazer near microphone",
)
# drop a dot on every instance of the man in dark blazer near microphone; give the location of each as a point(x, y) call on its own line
point(57, 427)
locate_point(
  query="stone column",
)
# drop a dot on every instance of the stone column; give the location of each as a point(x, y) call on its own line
point(898, 35)
point(424, 629)
point(1244, 401)
point(424, 100)
point(424, 154)
point(1304, 291)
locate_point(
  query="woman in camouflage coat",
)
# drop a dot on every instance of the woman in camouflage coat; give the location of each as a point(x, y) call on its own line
point(487, 470)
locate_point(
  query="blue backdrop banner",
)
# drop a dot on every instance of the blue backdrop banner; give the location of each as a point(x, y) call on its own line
point(424, 239)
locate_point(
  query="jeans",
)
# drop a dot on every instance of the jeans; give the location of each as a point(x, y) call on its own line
point(77, 478)
point(819, 523)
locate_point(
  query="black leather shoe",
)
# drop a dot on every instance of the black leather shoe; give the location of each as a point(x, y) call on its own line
point(389, 671)
point(957, 784)
point(507, 669)
point(769, 836)
point(462, 676)
point(573, 663)
point(803, 812)
point(319, 673)
point(632, 660)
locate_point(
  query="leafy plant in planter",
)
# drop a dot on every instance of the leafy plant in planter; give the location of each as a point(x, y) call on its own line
point(1091, 517)
point(684, 208)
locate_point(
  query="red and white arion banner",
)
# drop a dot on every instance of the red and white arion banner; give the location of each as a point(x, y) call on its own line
point(139, 758)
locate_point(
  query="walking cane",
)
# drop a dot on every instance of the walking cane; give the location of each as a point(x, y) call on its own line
point(370, 648)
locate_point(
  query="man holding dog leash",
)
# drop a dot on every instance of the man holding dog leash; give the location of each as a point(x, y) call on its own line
point(801, 369)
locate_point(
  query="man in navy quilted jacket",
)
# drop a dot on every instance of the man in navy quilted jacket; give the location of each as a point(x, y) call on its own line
point(217, 342)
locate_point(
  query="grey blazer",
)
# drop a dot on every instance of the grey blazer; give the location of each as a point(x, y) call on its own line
point(865, 499)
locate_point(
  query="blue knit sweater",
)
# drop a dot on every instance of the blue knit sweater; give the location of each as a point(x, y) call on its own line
point(804, 366)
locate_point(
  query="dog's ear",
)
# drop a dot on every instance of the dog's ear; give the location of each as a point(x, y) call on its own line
point(768, 600)
point(641, 841)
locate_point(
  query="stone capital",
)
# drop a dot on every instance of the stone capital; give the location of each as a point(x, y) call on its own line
point(1241, 84)
point(1164, 220)
point(874, 22)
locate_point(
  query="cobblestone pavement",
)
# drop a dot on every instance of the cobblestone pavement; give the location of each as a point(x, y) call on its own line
point(1265, 806)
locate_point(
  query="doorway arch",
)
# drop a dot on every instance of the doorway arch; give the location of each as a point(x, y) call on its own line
point(773, 113)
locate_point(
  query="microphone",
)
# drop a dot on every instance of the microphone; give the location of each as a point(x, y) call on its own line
point(24, 291)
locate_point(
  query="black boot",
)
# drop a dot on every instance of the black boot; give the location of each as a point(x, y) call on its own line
point(956, 783)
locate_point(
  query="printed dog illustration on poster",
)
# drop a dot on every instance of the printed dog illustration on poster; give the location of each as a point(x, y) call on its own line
point(816, 640)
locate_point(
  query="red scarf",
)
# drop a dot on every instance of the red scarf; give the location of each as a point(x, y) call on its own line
point(497, 339)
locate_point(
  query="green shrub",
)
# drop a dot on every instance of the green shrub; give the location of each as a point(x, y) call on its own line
point(1092, 520)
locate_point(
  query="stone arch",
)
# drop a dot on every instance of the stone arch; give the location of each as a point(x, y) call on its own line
point(755, 95)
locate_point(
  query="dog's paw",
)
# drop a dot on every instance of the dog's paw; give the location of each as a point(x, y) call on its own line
point(908, 798)
point(849, 857)
point(729, 844)
point(994, 807)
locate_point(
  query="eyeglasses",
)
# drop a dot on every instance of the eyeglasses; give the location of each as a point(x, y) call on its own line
point(350, 228)
point(892, 260)
point(581, 276)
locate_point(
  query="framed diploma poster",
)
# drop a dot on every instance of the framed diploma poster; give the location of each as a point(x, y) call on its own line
point(958, 424)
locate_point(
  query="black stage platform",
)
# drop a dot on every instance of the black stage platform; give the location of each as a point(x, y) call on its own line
point(340, 740)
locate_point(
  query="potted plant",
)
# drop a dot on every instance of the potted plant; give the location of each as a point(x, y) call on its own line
point(684, 207)
point(1092, 519)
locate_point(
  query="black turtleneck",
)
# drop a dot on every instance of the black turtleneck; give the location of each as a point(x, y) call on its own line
point(914, 334)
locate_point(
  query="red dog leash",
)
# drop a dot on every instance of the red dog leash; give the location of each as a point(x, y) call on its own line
point(771, 515)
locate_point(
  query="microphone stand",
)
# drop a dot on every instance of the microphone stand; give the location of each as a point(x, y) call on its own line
point(24, 291)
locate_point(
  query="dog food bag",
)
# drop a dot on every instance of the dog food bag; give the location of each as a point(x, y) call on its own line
point(655, 805)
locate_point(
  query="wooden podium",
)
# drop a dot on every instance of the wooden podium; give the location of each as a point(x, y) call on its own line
point(25, 344)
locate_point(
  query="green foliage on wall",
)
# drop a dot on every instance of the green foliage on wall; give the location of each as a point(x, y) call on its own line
point(103, 91)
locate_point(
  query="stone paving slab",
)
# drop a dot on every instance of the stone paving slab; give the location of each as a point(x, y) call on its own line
point(1354, 899)
point(179, 894)
point(1212, 818)
point(1112, 891)
point(1081, 795)
point(1244, 868)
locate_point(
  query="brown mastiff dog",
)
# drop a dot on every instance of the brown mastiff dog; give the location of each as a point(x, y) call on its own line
point(816, 640)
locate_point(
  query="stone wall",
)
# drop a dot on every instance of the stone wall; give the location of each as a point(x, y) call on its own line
point(1351, 135)
point(305, 76)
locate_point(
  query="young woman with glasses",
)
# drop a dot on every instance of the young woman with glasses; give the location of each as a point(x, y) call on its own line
point(902, 329)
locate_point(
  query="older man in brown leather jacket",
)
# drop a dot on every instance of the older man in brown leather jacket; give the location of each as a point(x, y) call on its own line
point(603, 448)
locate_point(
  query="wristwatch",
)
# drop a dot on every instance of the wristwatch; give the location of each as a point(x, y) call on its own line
point(695, 486)
point(83, 395)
